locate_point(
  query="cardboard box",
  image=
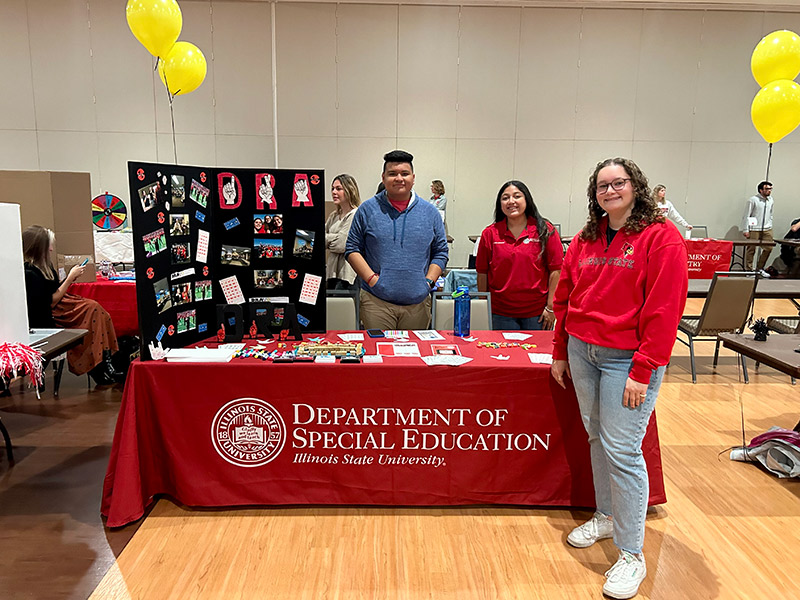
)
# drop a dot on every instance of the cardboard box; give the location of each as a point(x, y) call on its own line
point(67, 261)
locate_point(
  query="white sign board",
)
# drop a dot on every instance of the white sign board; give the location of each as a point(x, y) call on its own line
point(14, 316)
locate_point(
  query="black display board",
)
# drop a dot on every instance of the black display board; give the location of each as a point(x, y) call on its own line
point(264, 227)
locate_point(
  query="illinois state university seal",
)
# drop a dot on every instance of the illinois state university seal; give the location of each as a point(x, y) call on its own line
point(248, 432)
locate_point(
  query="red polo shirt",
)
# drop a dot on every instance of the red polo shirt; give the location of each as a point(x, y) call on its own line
point(517, 277)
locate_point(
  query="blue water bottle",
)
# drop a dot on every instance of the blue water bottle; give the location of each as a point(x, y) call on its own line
point(461, 314)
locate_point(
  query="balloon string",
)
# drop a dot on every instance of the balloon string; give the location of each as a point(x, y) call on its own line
point(171, 116)
point(769, 160)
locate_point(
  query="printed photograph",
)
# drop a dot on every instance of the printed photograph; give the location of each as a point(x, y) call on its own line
point(154, 242)
point(277, 317)
point(445, 349)
point(199, 193)
point(268, 280)
point(181, 293)
point(163, 300)
point(202, 290)
point(178, 191)
point(268, 247)
point(187, 321)
point(268, 223)
point(179, 224)
point(304, 243)
point(238, 256)
point(148, 195)
point(180, 253)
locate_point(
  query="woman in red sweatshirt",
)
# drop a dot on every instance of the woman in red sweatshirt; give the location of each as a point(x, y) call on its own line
point(618, 302)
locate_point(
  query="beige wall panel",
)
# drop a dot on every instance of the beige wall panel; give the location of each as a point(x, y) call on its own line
point(434, 159)
point(61, 65)
point(17, 108)
point(585, 156)
point(609, 55)
point(548, 73)
point(775, 21)
point(481, 167)
point(545, 166)
point(242, 68)
point(367, 70)
point(32, 192)
point(122, 70)
point(428, 71)
point(19, 150)
point(193, 149)
point(785, 177)
point(309, 153)
point(667, 163)
point(667, 82)
point(726, 88)
point(363, 159)
point(306, 52)
point(115, 150)
point(719, 185)
point(194, 112)
point(69, 151)
point(245, 150)
point(488, 72)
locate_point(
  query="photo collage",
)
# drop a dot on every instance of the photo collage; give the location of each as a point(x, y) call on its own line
point(198, 249)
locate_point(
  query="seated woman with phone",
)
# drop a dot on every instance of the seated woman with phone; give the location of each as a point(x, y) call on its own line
point(50, 305)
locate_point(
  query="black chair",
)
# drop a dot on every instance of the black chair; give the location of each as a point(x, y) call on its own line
point(726, 309)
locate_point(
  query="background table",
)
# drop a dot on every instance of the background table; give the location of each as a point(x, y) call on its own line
point(534, 449)
point(119, 300)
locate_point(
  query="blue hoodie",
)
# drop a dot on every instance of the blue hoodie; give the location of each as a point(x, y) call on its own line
point(399, 246)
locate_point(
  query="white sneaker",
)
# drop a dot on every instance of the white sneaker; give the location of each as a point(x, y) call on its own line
point(624, 578)
point(599, 527)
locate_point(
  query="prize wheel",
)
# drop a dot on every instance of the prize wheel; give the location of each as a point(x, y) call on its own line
point(109, 211)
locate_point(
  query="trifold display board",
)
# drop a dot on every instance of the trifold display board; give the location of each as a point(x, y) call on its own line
point(208, 236)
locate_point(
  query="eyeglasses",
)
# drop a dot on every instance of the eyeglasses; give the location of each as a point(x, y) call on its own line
point(617, 184)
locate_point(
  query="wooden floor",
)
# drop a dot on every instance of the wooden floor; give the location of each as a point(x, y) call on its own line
point(729, 530)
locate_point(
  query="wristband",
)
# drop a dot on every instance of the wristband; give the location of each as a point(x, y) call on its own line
point(550, 310)
point(431, 282)
point(371, 277)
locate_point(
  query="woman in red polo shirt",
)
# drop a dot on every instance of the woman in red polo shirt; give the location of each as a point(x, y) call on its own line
point(618, 303)
point(519, 261)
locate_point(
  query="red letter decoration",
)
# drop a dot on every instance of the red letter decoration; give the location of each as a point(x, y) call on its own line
point(230, 190)
point(300, 194)
point(264, 194)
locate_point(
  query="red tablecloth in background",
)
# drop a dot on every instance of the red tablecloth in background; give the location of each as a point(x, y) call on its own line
point(166, 443)
point(119, 300)
point(707, 256)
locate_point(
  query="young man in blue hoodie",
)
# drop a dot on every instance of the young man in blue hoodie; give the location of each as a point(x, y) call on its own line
point(398, 247)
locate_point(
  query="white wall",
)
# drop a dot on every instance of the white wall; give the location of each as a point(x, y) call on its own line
point(478, 95)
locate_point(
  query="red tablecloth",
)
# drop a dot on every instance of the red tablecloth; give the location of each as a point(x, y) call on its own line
point(707, 256)
point(119, 300)
point(396, 433)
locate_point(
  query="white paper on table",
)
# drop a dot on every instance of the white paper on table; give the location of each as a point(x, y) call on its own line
point(234, 347)
point(202, 246)
point(231, 290)
point(372, 358)
point(398, 349)
point(428, 335)
point(199, 355)
point(539, 358)
point(310, 289)
point(443, 359)
point(352, 337)
point(513, 335)
point(325, 358)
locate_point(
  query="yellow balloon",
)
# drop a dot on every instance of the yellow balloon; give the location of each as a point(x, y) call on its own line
point(155, 23)
point(777, 56)
point(184, 68)
point(776, 110)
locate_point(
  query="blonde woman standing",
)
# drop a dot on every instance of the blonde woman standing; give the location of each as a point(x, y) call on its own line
point(344, 193)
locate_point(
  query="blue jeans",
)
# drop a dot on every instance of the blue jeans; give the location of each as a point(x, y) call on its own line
point(621, 486)
point(500, 322)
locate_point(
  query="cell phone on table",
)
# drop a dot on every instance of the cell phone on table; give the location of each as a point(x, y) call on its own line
point(85, 262)
point(376, 333)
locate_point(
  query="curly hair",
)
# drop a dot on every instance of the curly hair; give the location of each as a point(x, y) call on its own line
point(645, 211)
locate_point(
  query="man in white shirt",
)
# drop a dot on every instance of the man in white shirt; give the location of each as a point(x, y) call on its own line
point(757, 225)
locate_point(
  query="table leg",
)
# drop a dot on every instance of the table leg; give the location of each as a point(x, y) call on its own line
point(7, 439)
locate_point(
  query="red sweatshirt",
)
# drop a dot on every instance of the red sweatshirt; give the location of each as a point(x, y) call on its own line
point(628, 295)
